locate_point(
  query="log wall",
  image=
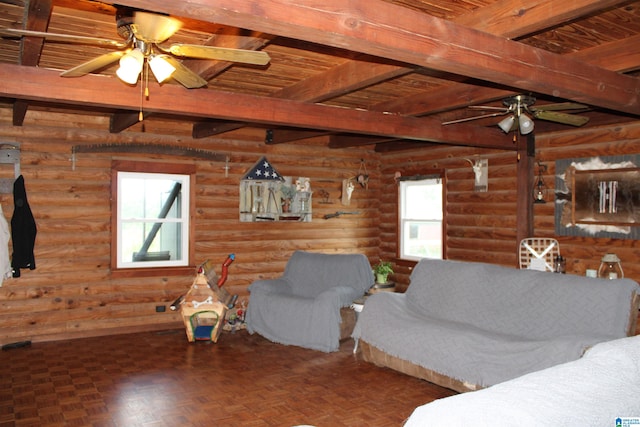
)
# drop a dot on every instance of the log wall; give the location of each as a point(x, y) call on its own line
point(72, 292)
point(482, 226)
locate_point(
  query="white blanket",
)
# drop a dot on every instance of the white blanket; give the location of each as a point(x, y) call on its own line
point(595, 390)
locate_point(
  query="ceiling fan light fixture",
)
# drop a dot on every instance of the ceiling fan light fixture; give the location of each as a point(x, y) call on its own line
point(525, 124)
point(127, 76)
point(131, 66)
point(161, 68)
point(506, 124)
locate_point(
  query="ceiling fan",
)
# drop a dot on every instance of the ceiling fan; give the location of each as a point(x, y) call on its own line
point(143, 34)
point(520, 108)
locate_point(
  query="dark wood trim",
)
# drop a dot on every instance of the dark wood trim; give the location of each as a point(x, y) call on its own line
point(524, 204)
point(46, 85)
point(151, 167)
point(370, 26)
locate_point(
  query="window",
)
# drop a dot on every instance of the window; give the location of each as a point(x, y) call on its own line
point(152, 215)
point(420, 216)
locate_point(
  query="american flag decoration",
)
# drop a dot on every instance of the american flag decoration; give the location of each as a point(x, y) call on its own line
point(263, 171)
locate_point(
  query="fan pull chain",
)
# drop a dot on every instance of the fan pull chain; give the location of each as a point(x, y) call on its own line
point(146, 79)
point(144, 89)
point(140, 115)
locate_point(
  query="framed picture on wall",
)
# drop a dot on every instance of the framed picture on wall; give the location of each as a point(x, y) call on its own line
point(598, 197)
point(606, 196)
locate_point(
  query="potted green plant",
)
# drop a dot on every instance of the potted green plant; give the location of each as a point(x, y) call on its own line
point(382, 271)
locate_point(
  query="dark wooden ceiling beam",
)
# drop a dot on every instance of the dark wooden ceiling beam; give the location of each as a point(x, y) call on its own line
point(214, 127)
point(359, 73)
point(344, 141)
point(516, 18)
point(33, 83)
point(371, 27)
point(37, 19)
point(349, 76)
point(621, 55)
point(280, 136)
point(509, 18)
point(124, 119)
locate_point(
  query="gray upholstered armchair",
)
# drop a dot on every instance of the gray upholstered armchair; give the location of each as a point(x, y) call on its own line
point(302, 307)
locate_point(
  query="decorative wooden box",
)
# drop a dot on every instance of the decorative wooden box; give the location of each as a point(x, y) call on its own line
point(202, 312)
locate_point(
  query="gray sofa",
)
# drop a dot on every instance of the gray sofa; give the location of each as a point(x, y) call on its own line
point(303, 306)
point(467, 325)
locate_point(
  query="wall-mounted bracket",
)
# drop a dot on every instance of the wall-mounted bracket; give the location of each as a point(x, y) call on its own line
point(9, 154)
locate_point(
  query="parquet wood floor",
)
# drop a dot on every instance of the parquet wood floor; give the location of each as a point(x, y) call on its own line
point(159, 379)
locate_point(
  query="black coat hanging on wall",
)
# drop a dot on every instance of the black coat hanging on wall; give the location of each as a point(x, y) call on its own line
point(23, 230)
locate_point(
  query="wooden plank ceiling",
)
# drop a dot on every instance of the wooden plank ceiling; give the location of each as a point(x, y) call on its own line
point(347, 73)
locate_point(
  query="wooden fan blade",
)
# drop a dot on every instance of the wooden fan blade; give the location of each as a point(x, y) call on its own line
point(567, 119)
point(487, 107)
point(560, 107)
point(154, 28)
point(67, 38)
point(94, 64)
point(476, 117)
point(255, 57)
point(184, 75)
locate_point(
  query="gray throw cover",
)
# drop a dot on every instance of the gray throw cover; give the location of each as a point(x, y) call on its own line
point(302, 307)
point(484, 324)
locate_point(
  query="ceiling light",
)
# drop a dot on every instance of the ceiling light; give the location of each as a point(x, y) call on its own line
point(507, 124)
point(130, 66)
point(161, 68)
point(525, 124)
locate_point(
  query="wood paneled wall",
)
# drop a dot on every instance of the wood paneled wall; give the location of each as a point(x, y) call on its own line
point(71, 293)
point(481, 226)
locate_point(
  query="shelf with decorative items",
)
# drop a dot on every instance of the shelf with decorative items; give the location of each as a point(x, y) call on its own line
point(265, 195)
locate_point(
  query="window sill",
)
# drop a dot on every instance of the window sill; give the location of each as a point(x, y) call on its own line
point(152, 272)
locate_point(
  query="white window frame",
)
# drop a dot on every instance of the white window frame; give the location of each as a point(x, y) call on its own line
point(185, 175)
point(405, 222)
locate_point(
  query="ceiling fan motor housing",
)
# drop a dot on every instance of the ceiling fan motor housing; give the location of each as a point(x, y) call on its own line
point(519, 100)
point(124, 19)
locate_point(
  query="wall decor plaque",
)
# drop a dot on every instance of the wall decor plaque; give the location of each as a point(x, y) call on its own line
point(598, 197)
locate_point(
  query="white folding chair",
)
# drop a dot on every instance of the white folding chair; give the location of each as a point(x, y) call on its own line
point(538, 253)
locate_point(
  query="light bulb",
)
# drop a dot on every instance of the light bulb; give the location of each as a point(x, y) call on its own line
point(130, 66)
point(161, 68)
point(525, 124)
point(507, 124)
